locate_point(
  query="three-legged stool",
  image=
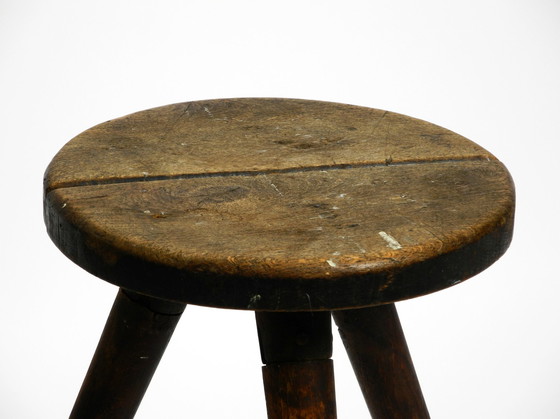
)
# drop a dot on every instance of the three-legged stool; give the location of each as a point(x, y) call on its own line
point(293, 209)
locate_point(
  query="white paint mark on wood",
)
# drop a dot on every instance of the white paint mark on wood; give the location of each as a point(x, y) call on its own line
point(208, 112)
point(391, 241)
point(331, 263)
point(254, 300)
point(274, 186)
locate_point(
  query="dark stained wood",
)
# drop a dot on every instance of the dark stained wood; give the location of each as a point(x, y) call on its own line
point(290, 337)
point(302, 390)
point(298, 377)
point(377, 349)
point(290, 208)
point(273, 204)
point(133, 341)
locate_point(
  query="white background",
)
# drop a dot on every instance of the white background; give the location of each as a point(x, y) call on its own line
point(489, 70)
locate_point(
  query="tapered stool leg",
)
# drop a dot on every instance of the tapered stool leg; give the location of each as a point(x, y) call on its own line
point(298, 376)
point(377, 349)
point(133, 341)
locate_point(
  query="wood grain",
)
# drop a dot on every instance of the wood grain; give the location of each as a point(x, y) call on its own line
point(272, 204)
point(302, 390)
point(255, 135)
point(131, 346)
point(377, 349)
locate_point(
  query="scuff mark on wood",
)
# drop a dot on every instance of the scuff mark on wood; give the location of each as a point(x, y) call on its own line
point(391, 241)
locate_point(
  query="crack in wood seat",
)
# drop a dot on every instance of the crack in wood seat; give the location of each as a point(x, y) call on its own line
point(277, 205)
point(272, 204)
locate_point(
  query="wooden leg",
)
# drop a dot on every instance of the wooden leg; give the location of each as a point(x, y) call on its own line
point(133, 341)
point(298, 376)
point(377, 349)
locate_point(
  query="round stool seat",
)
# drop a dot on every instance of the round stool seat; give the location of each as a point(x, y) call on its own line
point(277, 204)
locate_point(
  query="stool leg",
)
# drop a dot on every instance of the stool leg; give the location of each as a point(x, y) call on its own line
point(298, 377)
point(133, 341)
point(377, 349)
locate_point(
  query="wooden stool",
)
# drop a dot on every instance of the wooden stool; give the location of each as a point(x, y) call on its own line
point(294, 209)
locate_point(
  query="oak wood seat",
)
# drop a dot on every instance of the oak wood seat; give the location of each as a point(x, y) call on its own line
point(277, 205)
point(271, 204)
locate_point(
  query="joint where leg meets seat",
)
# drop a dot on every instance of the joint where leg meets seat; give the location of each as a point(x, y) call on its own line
point(129, 350)
point(298, 377)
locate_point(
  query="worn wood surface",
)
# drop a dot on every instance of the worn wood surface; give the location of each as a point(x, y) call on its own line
point(377, 349)
point(272, 204)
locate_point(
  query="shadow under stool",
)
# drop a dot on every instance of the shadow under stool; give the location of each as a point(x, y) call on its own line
point(297, 210)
